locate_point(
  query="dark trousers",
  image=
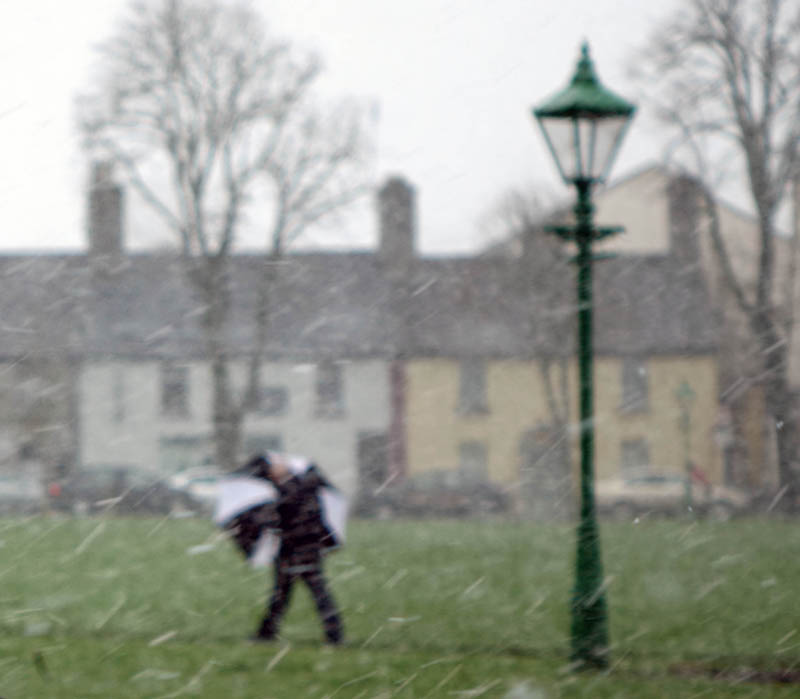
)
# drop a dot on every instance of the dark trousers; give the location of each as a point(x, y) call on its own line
point(308, 568)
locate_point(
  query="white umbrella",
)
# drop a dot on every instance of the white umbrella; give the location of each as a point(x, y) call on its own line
point(237, 494)
point(240, 494)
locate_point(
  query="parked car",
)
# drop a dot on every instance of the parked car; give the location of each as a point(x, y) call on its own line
point(200, 483)
point(121, 490)
point(431, 497)
point(21, 493)
point(665, 494)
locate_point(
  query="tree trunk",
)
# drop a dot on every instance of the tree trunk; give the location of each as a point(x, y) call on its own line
point(227, 418)
point(211, 279)
point(780, 404)
point(558, 401)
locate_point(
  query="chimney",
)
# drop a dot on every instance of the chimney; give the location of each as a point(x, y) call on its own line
point(105, 212)
point(683, 194)
point(397, 216)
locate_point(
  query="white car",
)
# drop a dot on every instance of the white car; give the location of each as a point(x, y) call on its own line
point(20, 493)
point(665, 494)
point(201, 482)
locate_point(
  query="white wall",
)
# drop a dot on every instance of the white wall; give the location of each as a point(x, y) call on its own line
point(331, 442)
point(136, 439)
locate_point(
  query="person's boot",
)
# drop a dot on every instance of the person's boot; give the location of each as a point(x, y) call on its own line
point(266, 632)
point(333, 630)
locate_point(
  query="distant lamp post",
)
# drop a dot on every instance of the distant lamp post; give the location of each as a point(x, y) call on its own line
point(584, 126)
point(685, 397)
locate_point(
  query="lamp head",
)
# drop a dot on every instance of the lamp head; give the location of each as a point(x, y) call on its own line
point(584, 124)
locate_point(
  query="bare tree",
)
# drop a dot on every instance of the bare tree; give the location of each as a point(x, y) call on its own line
point(727, 79)
point(203, 110)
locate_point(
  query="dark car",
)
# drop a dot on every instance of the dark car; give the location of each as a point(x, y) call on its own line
point(434, 497)
point(119, 490)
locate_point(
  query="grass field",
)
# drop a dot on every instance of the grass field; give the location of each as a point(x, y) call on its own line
point(162, 608)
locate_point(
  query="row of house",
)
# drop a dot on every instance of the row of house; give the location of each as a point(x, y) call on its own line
point(380, 364)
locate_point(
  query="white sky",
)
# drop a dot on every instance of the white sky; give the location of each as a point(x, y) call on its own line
point(454, 80)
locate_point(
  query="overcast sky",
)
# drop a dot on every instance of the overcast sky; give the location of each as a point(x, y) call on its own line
point(454, 81)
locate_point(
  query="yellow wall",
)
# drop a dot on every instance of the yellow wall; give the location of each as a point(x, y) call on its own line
point(660, 425)
point(516, 402)
point(435, 428)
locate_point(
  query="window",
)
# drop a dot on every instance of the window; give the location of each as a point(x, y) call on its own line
point(473, 463)
point(272, 400)
point(175, 390)
point(180, 452)
point(472, 388)
point(635, 386)
point(329, 391)
point(118, 396)
point(27, 451)
point(373, 460)
point(259, 443)
point(635, 457)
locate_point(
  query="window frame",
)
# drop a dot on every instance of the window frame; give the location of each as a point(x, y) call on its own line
point(281, 405)
point(634, 386)
point(467, 474)
point(329, 390)
point(473, 387)
point(642, 466)
point(118, 397)
point(178, 408)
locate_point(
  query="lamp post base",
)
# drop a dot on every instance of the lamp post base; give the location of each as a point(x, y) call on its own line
point(589, 613)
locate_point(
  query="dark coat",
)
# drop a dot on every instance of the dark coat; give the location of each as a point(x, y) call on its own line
point(246, 529)
point(299, 514)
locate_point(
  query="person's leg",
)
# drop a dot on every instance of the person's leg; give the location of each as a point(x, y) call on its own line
point(326, 606)
point(281, 594)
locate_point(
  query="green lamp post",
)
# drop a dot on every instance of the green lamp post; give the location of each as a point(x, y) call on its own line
point(583, 126)
point(685, 397)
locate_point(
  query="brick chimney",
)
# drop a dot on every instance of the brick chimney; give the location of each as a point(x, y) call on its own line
point(685, 204)
point(105, 212)
point(397, 217)
point(397, 220)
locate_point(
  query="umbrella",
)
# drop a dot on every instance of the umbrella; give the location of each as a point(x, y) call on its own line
point(246, 506)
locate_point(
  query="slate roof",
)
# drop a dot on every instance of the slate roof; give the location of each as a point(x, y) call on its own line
point(479, 306)
point(340, 305)
point(652, 304)
point(495, 307)
point(43, 304)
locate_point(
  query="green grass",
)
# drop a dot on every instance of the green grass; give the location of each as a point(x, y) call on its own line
point(124, 608)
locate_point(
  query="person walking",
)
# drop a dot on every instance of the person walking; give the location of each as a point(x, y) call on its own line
point(304, 538)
